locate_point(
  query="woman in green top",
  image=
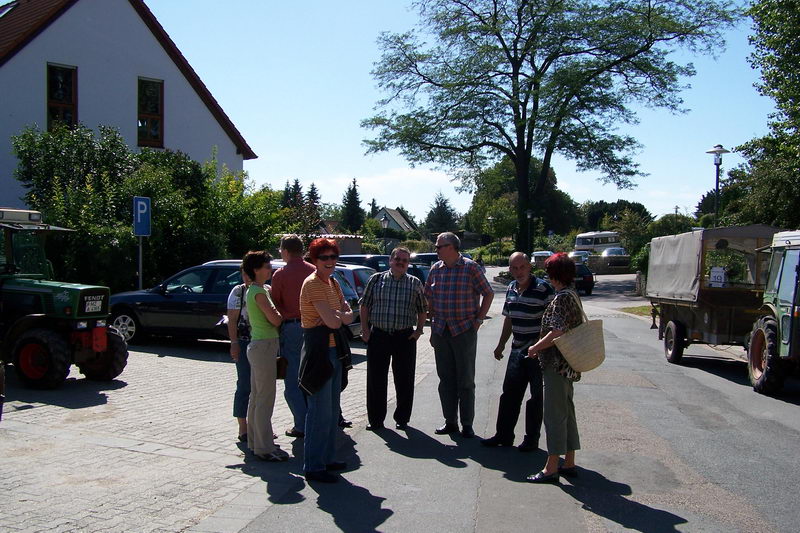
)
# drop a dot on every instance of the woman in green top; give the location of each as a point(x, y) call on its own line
point(262, 353)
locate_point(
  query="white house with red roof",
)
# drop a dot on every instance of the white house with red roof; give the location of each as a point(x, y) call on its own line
point(104, 62)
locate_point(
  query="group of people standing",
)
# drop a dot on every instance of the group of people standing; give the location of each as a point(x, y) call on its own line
point(302, 317)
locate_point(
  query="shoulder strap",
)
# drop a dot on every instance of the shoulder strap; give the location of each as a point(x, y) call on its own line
point(580, 305)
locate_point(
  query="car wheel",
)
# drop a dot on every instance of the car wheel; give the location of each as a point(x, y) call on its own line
point(764, 366)
point(587, 291)
point(674, 342)
point(126, 323)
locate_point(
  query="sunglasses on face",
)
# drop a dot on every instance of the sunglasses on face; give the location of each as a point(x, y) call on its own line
point(442, 246)
point(400, 260)
point(327, 257)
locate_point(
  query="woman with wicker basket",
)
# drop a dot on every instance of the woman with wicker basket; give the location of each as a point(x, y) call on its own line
point(563, 314)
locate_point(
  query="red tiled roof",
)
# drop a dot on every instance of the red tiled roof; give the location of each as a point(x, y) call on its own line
point(28, 18)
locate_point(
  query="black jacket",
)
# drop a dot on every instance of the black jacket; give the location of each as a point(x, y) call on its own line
point(315, 368)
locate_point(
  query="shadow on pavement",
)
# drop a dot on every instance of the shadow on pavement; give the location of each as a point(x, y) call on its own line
point(196, 350)
point(72, 394)
point(606, 498)
point(418, 445)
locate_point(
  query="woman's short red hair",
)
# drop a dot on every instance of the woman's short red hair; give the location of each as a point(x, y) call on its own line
point(560, 267)
point(318, 246)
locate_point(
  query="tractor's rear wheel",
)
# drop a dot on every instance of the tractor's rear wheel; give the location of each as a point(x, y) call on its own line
point(42, 358)
point(107, 365)
point(764, 366)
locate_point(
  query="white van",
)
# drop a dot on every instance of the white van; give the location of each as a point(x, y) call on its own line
point(596, 241)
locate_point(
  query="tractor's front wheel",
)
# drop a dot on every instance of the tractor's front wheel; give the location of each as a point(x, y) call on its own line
point(42, 358)
point(107, 365)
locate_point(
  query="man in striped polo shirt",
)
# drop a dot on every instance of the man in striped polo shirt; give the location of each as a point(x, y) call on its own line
point(393, 313)
point(526, 300)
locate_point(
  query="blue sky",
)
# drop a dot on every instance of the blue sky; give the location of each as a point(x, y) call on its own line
point(295, 79)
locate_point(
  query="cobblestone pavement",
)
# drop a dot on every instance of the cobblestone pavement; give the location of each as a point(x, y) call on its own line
point(154, 450)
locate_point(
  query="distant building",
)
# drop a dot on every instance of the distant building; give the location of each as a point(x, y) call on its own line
point(397, 220)
point(104, 62)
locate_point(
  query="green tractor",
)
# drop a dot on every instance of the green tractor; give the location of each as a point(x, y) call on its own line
point(46, 325)
point(774, 349)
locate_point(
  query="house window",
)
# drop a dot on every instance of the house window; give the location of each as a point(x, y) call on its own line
point(62, 95)
point(151, 113)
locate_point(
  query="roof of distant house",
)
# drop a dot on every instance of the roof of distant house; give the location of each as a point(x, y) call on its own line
point(400, 219)
point(21, 21)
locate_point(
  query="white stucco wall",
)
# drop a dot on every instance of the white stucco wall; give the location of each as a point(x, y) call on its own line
point(111, 47)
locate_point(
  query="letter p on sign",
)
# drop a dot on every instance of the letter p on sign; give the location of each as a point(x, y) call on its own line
point(141, 216)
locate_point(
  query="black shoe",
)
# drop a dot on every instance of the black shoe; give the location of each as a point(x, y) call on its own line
point(493, 442)
point(336, 466)
point(295, 433)
point(243, 437)
point(447, 428)
point(375, 427)
point(402, 426)
point(323, 476)
point(539, 477)
point(467, 432)
point(528, 446)
point(345, 423)
point(572, 471)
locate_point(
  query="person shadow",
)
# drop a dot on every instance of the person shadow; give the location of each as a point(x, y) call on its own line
point(606, 498)
point(419, 445)
point(352, 508)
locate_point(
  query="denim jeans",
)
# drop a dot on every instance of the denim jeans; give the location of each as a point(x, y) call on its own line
point(291, 346)
point(241, 397)
point(521, 373)
point(322, 420)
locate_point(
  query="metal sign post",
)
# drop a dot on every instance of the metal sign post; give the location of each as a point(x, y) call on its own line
point(141, 227)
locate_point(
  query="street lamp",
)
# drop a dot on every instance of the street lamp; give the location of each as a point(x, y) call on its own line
point(384, 225)
point(490, 220)
point(718, 150)
point(529, 214)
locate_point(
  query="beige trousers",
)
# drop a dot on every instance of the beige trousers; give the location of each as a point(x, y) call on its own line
point(262, 355)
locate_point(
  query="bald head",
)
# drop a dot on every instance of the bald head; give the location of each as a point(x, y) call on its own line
point(520, 267)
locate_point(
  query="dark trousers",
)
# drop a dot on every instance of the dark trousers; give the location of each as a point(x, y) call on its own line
point(521, 373)
point(455, 366)
point(397, 348)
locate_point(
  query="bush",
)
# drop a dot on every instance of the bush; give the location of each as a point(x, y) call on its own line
point(418, 246)
point(369, 247)
point(640, 260)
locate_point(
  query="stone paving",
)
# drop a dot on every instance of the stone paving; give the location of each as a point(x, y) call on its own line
point(154, 450)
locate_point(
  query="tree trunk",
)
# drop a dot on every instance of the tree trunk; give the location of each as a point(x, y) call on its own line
point(523, 239)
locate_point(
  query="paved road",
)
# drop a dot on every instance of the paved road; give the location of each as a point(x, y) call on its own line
point(665, 448)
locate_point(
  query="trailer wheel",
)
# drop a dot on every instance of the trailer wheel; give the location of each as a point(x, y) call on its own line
point(109, 364)
point(674, 343)
point(764, 366)
point(42, 358)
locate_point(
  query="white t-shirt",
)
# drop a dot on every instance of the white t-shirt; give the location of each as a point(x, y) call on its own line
point(235, 301)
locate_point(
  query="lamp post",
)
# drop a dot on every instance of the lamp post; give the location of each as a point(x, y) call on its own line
point(718, 150)
point(529, 214)
point(490, 220)
point(384, 225)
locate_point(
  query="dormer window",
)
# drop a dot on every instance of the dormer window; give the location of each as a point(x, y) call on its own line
point(150, 124)
point(62, 95)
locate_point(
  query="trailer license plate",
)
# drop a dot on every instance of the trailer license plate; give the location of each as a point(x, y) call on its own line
point(94, 306)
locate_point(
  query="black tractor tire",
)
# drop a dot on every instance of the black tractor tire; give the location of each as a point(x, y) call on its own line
point(107, 365)
point(674, 341)
point(127, 324)
point(764, 366)
point(42, 358)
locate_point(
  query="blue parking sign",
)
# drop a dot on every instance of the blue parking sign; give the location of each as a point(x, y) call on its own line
point(141, 216)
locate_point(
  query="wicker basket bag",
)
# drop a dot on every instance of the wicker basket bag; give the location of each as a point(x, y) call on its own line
point(583, 345)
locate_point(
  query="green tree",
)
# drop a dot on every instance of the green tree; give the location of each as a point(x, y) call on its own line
point(353, 214)
point(286, 198)
point(522, 78)
point(373, 208)
point(442, 216)
point(671, 225)
point(313, 199)
point(765, 187)
point(633, 231)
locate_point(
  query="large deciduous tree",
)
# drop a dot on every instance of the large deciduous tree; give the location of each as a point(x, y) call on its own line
point(519, 78)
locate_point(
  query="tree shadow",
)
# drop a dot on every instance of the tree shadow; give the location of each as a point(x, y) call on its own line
point(606, 498)
point(74, 393)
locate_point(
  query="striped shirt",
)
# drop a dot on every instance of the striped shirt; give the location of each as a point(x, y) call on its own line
point(525, 311)
point(393, 303)
point(315, 289)
point(454, 293)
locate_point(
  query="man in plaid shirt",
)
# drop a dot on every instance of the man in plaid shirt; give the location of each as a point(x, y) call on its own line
point(393, 303)
point(458, 298)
